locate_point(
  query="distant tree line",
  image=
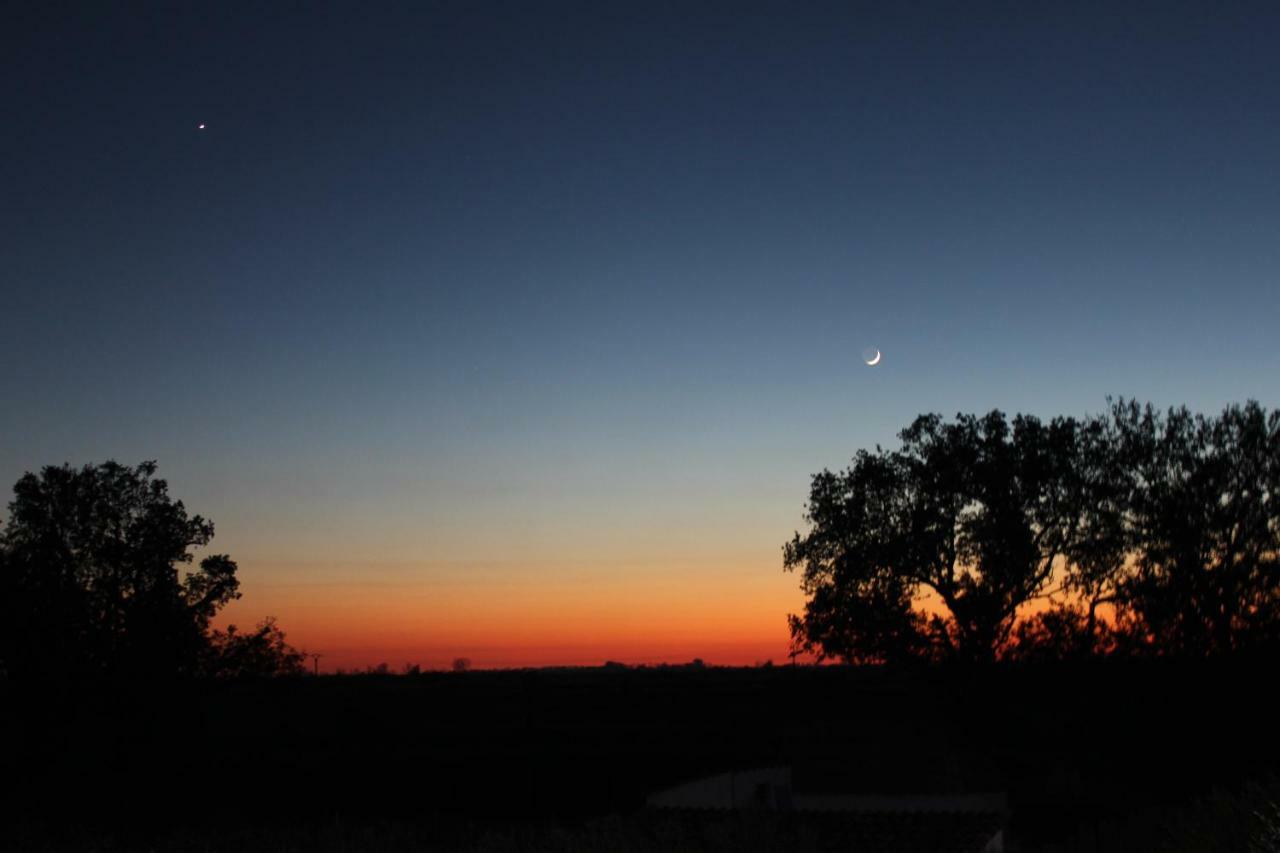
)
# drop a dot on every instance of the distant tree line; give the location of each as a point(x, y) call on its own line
point(1136, 532)
point(96, 581)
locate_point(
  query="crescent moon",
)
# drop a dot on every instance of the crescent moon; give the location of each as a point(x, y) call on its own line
point(873, 362)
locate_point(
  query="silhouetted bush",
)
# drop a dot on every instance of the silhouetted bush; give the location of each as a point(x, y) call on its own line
point(1244, 821)
point(260, 653)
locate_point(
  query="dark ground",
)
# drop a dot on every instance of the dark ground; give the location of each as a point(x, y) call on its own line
point(1090, 755)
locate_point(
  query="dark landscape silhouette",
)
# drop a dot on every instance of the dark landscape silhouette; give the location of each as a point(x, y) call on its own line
point(640, 427)
point(1144, 726)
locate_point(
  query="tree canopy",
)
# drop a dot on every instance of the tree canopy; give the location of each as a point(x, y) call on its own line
point(938, 549)
point(1201, 526)
point(92, 580)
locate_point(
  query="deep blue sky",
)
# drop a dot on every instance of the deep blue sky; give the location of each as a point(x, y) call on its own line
point(485, 283)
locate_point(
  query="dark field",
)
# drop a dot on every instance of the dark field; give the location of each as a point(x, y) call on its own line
point(1092, 757)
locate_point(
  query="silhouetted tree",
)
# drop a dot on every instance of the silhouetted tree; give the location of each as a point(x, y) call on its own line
point(5, 594)
point(1168, 522)
point(461, 664)
point(973, 514)
point(90, 581)
point(1202, 527)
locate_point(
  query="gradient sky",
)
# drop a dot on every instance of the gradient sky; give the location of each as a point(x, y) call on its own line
point(515, 330)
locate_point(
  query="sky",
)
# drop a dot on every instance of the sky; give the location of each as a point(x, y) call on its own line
point(515, 331)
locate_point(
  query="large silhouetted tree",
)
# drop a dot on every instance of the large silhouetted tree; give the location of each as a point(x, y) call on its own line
point(973, 514)
point(1168, 522)
point(96, 577)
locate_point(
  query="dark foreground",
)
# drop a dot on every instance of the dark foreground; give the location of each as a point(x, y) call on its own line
point(1099, 757)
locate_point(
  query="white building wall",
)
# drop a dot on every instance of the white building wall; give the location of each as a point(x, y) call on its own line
point(737, 790)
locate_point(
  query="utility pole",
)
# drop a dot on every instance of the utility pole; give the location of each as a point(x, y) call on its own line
point(315, 659)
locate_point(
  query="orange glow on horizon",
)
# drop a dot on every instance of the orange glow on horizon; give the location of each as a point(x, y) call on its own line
point(501, 615)
point(729, 615)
